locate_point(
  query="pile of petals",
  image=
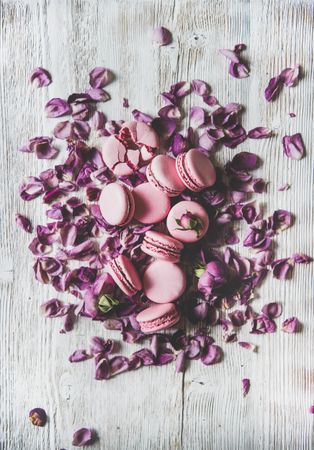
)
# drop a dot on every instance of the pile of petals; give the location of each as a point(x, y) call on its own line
point(72, 248)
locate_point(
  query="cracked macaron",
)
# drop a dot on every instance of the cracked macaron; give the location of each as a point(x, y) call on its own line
point(125, 275)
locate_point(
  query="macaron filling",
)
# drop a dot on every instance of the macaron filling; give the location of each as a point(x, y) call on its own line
point(150, 324)
point(161, 248)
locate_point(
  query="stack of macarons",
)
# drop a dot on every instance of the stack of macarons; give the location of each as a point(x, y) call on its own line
point(164, 280)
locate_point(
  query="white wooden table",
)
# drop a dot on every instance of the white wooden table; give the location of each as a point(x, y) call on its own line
point(155, 408)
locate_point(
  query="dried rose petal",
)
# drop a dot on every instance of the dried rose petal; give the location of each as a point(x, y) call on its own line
point(273, 88)
point(99, 77)
point(291, 75)
point(142, 117)
point(125, 103)
point(98, 120)
point(291, 325)
point(272, 310)
point(301, 258)
point(239, 70)
point(40, 77)
point(162, 36)
point(245, 161)
point(259, 133)
point(24, 223)
point(64, 130)
point(38, 417)
point(284, 187)
point(293, 146)
point(311, 409)
point(98, 94)
point(200, 87)
point(197, 117)
point(83, 436)
point(31, 188)
point(57, 107)
point(248, 346)
point(78, 356)
point(282, 268)
point(245, 386)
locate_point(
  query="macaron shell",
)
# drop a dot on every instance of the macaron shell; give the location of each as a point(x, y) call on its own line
point(161, 246)
point(163, 281)
point(187, 236)
point(144, 134)
point(195, 170)
point(116, 204)
point(125, 275)
point(158, 317)
point(162, 173)
point(151, 205)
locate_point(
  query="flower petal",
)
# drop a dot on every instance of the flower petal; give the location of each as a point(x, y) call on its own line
point(291, 75)
point(83, 436)
point(293, 146)
point(197, 116)
point(78, 356)
point(24, 223)
point(272, 310)
point(40, 77)
point(162, 36)
point(259, 133)
point(57, 107)
point(291, 325)
point(245, 386)
point(200, 87)
point(100, 77)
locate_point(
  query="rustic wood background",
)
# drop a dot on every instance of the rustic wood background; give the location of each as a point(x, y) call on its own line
point(155, 408)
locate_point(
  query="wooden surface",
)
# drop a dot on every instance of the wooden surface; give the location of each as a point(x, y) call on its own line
point(154, 408)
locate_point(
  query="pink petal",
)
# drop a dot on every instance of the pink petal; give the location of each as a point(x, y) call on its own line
point(245, 386)
point(40, 77)
point(83, 436)
point(100, 77)
point(291, 75)
point(57, 107)
point(291, 325)
point(259, 133)
point(24, 223)
point(293, 146)
point(162, 36)
point(197, 117)
point(200, 87)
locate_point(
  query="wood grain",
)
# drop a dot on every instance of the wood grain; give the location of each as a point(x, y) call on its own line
point(156, 408)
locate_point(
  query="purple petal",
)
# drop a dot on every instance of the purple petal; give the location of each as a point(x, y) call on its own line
point(238, 70)
point(180, 361)
point(57, 107)
point(24, 223)
point(31, 188)
point(210, 100)
point(301, 258)
point(272, 310)
point(197, 117)
point(262, 325)
point(180, 89)
point(98, 120)
point(102, 370)
point(284, 187)
point(245, 161)
point(282, 268)
point(165, 127)
point(42, 147)
point(64, 130)
point(311, 409)
point(248, 346)
point(40, 77)
point(212, 355)
point(245, 386)
point(259, 133)
point(273, 88)
point(293, 146)
point(291, 325)
point(118, 364)
point(142, 117)
point(100, 77)
point(290, 76)
point(237, 318)
point(100, 345)
point(230, 54)
point(98, 94)
point(170, 112)
point(78, 356)
point(125, 103)
point(162, 36)
point(53, 308)
point(83, 436)
point(201, 88)
point(81, 129)
point(179, 144)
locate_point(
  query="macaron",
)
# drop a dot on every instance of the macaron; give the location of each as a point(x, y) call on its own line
point(162, 173)
point(144, 136)
point(158, 317)
point(151, 205)
point(160, 246)
point(163, 281)
point(116, 204)
point(195, 170)
point(125, 275)
point(187, 221)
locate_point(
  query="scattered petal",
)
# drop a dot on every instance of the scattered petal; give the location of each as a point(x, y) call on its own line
point(38, 417)
point(248, 346)
point(293, 146)
point(57, 107)
point(24, 223)
point(78, 356)
point(245, 386)
point(99, 77)
point(200, 87)
point(40, 77)
point(162, 36)
point(259, 133)
point(83, 436)
point(272, 310)
point(291, 325)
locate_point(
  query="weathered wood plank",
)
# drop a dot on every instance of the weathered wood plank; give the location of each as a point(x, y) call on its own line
point(143, 410)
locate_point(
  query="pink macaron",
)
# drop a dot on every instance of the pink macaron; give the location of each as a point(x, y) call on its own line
point(151, 205)
point(158, 317)
point(187, 221)
point(116, 204)
point(125, 275)
point(162, 173)
point(134, 146)
point(195, 170)
point(160, 246)
point(163, 281)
